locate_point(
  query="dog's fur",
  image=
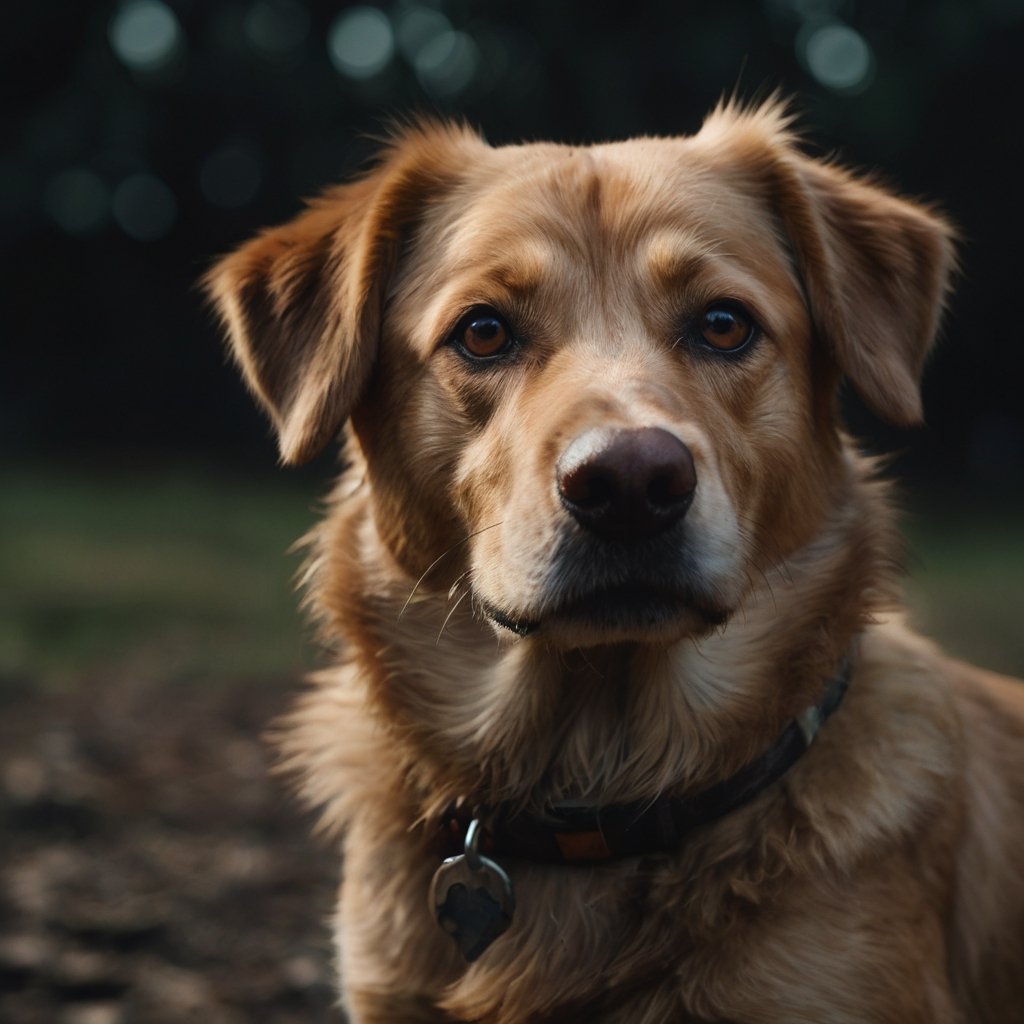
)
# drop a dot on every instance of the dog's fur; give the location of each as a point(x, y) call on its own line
point(881, 879)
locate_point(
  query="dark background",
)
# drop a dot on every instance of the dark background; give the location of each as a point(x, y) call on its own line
point(151, 869)
point(122, 176)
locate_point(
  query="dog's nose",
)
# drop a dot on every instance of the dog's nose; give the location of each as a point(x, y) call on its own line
point(627, 485)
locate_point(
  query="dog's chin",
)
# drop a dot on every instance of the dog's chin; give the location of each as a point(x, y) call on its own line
point(620, 615)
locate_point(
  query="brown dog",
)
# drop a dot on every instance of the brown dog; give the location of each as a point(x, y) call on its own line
point(602, 565)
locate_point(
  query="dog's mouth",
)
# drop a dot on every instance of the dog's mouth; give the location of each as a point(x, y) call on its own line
point(632, 609)
point(519, 626)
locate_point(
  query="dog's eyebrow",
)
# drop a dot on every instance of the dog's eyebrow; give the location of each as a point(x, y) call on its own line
point(678, 259)
point(502, 279)
point(519, 279)
point(519, 270)
point(505, 279)
point(670, 256)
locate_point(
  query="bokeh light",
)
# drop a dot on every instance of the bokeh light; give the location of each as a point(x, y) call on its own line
point(145, 35)
point(417, 26)
point(77, 201)
point(444, 59)
point(838, 56)
point(360, 42)
point(447, 64)
point(144, 207)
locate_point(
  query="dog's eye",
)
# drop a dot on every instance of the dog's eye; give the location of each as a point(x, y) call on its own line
point(483, 334)
point(726, 327)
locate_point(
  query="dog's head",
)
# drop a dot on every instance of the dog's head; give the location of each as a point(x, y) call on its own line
point(601, 379)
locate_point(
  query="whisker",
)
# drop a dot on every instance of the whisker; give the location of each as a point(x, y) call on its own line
point(444, 554)
point(476, 606)
point(455, 586)
point(455, 606)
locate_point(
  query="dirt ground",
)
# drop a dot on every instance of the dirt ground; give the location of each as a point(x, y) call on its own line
point(151, 870)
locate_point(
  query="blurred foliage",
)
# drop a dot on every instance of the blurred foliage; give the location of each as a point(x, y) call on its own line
point(177, 577)
point(966, 579)
point(167, 578)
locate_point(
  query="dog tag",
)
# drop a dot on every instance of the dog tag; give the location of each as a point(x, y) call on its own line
point(472, 898)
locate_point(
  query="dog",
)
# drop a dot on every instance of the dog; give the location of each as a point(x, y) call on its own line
point(627, 724)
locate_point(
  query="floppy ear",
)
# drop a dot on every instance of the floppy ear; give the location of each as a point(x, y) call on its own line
point(301, 303)
point(877, 269)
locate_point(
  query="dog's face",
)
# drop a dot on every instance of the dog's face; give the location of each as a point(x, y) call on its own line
point(597, 385)
point(602, 382)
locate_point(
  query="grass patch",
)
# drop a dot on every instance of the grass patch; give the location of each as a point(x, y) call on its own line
point(966, 580)
point(174, 575)
point(185, 575)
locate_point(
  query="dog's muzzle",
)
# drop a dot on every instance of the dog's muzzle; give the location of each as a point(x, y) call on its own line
point(624, 570)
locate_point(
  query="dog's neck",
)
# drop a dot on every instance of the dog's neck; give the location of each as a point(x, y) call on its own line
point(515, 722)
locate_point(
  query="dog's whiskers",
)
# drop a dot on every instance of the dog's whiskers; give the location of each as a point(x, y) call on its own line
point(452, 590)
point(447, 618)
point(440, 557)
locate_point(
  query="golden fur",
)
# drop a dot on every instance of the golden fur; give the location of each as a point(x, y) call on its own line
point(881, 879)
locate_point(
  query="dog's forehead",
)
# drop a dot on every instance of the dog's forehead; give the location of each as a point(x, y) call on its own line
point(544, 219)
point(615, 195)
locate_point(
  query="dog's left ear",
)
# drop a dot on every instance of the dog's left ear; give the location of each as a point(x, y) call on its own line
point(302, 303)
point(877, 270)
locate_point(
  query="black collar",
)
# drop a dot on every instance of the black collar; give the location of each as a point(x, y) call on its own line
point(575, 832)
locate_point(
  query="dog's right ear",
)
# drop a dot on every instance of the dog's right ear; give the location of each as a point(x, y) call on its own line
point(301, 303)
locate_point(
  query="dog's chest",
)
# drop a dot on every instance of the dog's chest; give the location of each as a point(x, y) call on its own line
point(649, 941)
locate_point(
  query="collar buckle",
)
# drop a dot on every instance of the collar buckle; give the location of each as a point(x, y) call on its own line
point(809, 721)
